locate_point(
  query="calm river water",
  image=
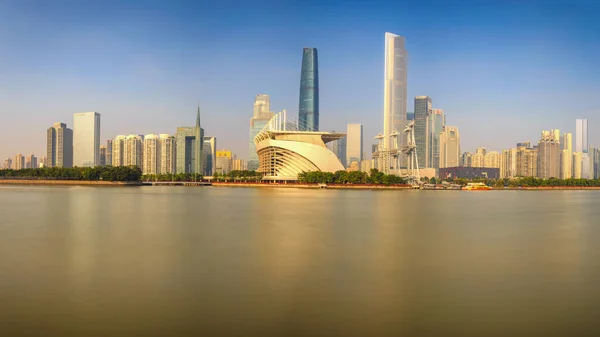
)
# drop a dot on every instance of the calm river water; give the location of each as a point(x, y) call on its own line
point(183, 261)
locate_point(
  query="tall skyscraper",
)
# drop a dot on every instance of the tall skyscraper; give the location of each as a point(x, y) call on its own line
point(566, 157)
point(168, 154)
point(394, 90)
point(577, 169)
point(449, 147)
point(595, 160)
point(423, 110)
point(151, 154)
point(210, 155)
point(19, 162)
point(133, 151)
point(308, 111)
point(109, 152)
point(581, 136)
point(436, 123)
point(508, 163)
point(31, 162)
point(118, 145)
point(261, 117)
point(102, 155)
point(354, 144)
point(189, 148)
point(548, 156)
point(59, 146)
point(86, 139)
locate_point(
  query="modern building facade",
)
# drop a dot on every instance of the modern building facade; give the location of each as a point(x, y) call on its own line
point(86, 139)
point(102, 155)
point(548, 155)
point(449, 147)
point(436, 123)
point(395, 87)
point(118, 145)
point(338, 147)
point(508, 163)
point(566, 157)
point(210, 156)
point(189, 148)
point(581, 136)
point(469, 172)
point(19, 162)
point(31, 162)
point(423, 109)
point(492, 159)
point(8, 164)
point(59, 146)
point(151, 154)
point(284, 152)
point(261, 116)
point(354, 144)
point(133, 154)
point(308, 111)
point(526, 158)
point(109, 152)
point(577, 167)
point(224, 161)
point(168, 154)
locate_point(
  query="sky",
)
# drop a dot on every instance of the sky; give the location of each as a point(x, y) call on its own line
point(502, 71)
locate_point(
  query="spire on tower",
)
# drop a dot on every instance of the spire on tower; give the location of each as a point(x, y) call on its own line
point(198, 116)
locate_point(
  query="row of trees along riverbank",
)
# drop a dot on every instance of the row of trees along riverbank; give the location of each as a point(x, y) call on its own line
point(104, 173)
point(524, 182)
point(354, 177)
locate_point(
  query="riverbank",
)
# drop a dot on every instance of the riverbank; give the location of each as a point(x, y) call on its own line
point(314, 186)
point(69, 182)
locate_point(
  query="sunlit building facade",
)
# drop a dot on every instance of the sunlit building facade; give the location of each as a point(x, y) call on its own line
point(86, 139)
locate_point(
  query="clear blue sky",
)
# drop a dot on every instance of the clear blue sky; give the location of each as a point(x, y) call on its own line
point(502, 71)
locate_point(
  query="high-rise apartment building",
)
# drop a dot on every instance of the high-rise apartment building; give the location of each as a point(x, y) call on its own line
point(261, 117)
point(478, 158)
point(59, 146)
point(423, 110)
point(102, 155)
point(189, 148)
point(466, 160)
point(491, 159)
point(395, 88)
point(224, 161)
point(449, 147)
point(19, 162)
point(118, 145)
point(508, 163)
point(239, 165)
point(595, 162)
point(151, 154)
point(308, 112)
point(436, 123)
point(8, 164)
point(526, 160)
point(354, 144)
point(86, 139)
point(109, 152)
point(31, 162)
point(168, 154)
point(548, 155)
point(210, 156)
point(133, 151)
point(581, 136)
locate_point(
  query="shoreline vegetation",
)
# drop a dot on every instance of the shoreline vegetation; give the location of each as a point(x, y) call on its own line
point(132, 176)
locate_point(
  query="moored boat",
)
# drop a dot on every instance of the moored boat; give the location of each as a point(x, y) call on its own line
point(476, 187)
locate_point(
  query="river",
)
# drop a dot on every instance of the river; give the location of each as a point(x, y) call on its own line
point(190, 261)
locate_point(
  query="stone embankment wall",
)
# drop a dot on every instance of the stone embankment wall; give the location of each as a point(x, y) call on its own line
point(313, 186)
point(69, 182)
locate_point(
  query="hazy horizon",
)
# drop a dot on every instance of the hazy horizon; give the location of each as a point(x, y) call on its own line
point(502, 72)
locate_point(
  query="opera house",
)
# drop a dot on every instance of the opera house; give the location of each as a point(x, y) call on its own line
point(284, 150)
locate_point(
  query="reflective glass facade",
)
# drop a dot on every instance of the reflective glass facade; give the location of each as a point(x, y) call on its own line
point(308, 112)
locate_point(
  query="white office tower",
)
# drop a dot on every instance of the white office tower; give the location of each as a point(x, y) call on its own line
point(581, 136)
point(168, 153)
point(354, 144)
point(86, 139)
point(388, 157)
point(566, 157)
point(151, 155)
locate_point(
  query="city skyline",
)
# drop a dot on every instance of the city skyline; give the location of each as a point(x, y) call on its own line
point(471, 100)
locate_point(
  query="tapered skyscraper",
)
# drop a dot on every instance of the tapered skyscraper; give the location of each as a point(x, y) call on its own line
point(394, 91)
point(308, 112)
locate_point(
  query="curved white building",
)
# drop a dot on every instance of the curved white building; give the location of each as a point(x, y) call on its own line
point(284, 151)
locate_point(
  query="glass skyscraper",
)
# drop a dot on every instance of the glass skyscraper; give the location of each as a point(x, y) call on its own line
point(308, 112)
point(189, 148)
point(86, 139)
point(581, 136)
point(261, 117)
point(422, 111)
